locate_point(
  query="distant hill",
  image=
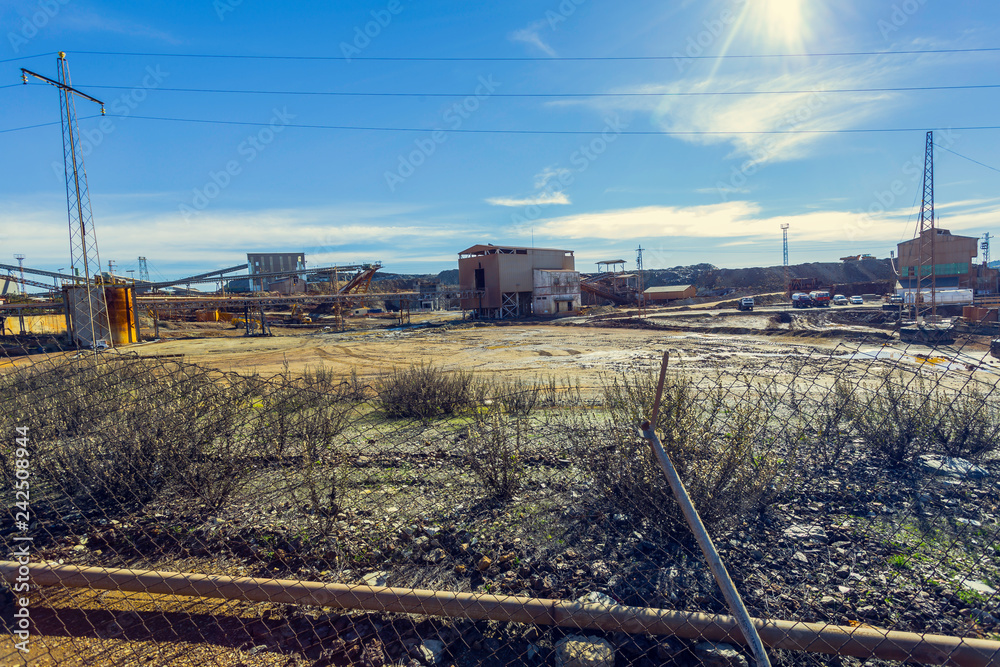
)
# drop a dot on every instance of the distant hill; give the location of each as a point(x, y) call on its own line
point(994, 265)
point(449, 277)
point(710, 277)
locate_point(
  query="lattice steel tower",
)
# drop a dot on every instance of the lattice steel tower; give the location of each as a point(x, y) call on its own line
point(784, 251)
point(91, 313)
point(20, 265)
point(638, 270)
point(927, 233)
point(143, 270)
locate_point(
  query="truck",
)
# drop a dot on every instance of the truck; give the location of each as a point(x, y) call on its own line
point(746, 303)
point(819, 299)
point(801, 300)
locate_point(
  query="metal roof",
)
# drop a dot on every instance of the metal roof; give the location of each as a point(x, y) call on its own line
point(482, 248)
point(668, 288)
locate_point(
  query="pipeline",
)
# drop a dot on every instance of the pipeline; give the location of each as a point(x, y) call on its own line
point(860, 642)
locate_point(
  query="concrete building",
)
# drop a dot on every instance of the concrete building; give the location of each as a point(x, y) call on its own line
point(9, 286)
point(507, 277)
point(273, 262)
point(555, 292)
point(287, 286)
point(670, 293)
point(954, 264)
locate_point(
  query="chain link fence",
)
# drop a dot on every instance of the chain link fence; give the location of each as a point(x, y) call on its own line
point(166, 513)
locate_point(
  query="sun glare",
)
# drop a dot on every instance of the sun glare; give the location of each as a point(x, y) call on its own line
point(783, 22)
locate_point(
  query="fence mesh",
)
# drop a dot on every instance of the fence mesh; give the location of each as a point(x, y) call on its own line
point(853, 486)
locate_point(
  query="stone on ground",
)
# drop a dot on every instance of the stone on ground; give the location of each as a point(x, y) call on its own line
point(719, 655)
point(579, 651)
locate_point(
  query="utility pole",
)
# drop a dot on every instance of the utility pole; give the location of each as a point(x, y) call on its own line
point(638, 269)
point(83, 252)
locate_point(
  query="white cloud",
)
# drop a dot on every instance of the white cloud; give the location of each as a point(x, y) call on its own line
point(530, 35)
point(537, 200)
point(722, 189)
point(543, 177)
point(758, 116)
point(743, 220)
point(222, 237)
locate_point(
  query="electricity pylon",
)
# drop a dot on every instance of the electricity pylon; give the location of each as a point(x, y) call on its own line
point(90, 319)
point(927, 233)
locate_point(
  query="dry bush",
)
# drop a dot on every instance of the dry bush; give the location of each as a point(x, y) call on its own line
point(895, 418)
point(425, 392)
point(322, 379)
point(823, 427)
point(494, 450)
point(726, 454)
point(116, 432)
point(968, 423)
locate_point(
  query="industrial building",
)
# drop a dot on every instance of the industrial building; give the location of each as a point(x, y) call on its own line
point(518, 282)
point(670, 293)
point(954, 264)
point(610, 285)
point(273, 262)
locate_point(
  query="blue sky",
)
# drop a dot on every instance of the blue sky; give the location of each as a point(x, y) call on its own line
point(194, 195)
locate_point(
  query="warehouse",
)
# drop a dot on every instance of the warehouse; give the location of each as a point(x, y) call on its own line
point(518, 282)
point(954, 263)
point(670, 293)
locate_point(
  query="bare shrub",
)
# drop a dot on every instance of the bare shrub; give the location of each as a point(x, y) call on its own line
point(968, 423)
point(726, 454)
point(494, 448)
point(322, 464)
point(125, 429)
point(827, 427)
point(424, 392)
point(895, 418)
point(517, 397)
point(322, 379)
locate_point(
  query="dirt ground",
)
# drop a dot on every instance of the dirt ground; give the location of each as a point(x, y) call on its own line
point(577, 350)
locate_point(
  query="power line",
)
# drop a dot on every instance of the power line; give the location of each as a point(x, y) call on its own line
point(731, 56)
point(31, 127)
point(701, 93)
point(38, 55)
point(374, 128)
point(965, 157)
point(664, 133)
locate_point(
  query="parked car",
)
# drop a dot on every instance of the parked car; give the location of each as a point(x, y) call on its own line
point(856, 300)
point(746, 303)
point(840, 300)
point(895, 298)
point(801, 300)
point(995, 348)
